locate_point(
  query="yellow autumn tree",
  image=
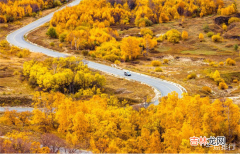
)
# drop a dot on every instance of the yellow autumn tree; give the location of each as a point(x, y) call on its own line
point(184, 35)
point(130, 48)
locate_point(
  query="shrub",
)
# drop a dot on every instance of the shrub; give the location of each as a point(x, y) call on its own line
point(163, 18)
point(230, 62)
point(155, 63)
point(222, 86)
point(111, 57)
point(218, 80)
point(233, 19)
point(34, 14)
point(62, 37)
point(210, 34)
point(145, 31)
point(117, 62)
point(206, 28)
point(207, 89)
point(52, 32)
point(235, 47)
point(173, 36)
point(224, 26)
point(15, 73)
point(158, 69)
point(23, 53)
point(9, 18)
point(52, 44)
point(40, 13)
point(235, 81)
point(4, 43)
point(221, 63)
point(18, 23)
point(142, 22)
point(3, 19)
point(212, 63)
point(216, 38)
point(93, 55)
point(201, 37)
point(5, 25)
point(165, 61)
point(160, 38)
point(57, 3)
point(85, 52)
point(191, 76)
point(60, 45)
point(184, 35)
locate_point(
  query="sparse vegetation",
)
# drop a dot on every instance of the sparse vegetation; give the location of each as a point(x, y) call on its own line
point(206, 28)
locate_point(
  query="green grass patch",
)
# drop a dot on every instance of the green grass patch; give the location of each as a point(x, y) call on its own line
point(162, 48)
point(198, 52)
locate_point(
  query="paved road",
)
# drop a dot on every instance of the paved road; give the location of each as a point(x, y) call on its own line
point(17, 38)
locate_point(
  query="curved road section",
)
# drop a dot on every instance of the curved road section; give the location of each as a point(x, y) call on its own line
point(17, 38)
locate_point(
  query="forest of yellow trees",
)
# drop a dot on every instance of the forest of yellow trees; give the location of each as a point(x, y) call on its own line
point(99, 125)
point(87, 26)
point(11, 10)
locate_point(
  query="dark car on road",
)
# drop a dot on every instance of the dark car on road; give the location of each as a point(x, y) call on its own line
point(127, 73)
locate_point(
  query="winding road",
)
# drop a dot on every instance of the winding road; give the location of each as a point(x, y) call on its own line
point(17, 38)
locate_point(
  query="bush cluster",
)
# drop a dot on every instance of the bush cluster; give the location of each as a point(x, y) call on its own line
point(216, 38)
point(230, 62)
point(143, 22)
point(233, 19)
point(173, 36)
point(146, 31)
